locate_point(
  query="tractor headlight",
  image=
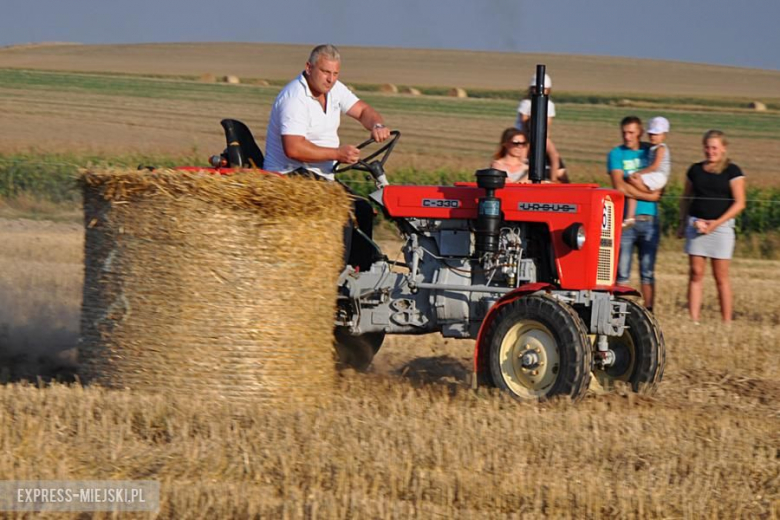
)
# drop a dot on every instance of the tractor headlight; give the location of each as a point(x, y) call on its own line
point(574, 236)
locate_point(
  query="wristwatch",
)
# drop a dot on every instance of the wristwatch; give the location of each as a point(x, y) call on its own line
point(378, 126)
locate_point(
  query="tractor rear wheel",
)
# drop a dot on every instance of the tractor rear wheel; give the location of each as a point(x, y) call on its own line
point(539, 349)
point(357, 351)
point(640, 353)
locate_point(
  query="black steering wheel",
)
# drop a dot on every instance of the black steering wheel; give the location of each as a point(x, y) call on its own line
point(365, 164)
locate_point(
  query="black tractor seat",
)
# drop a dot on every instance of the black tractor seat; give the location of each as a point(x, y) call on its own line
point(242, 150)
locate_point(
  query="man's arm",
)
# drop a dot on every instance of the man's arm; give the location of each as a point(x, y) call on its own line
point(293, 120)
point(626, 189)
point(298, 148)
point(370, 119)
point(635, 181)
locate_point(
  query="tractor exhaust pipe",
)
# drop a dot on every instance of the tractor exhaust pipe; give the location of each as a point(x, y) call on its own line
point(538, 132)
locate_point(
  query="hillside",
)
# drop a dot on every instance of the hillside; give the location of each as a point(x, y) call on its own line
point(406, 66)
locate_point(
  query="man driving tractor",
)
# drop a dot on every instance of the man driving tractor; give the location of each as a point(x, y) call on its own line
point(303, 126)
point(302, 137)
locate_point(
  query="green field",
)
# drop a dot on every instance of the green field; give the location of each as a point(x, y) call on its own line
point(445, 139)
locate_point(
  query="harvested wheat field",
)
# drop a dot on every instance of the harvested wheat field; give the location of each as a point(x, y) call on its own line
point(99, 115)
point(409, 439)
point(117, 99)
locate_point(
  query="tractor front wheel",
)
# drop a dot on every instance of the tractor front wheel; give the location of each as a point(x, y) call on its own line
point(539, 349)
point(357, 351)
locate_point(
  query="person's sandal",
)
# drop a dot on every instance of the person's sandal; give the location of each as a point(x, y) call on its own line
point(628, 223)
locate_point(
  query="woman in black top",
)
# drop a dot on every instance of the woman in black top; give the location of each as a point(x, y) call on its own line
point(714, 196)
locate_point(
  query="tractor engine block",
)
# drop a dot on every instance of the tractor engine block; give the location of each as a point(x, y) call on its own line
point(441, 290)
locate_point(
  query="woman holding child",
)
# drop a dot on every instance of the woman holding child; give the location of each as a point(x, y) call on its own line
point(714, 196)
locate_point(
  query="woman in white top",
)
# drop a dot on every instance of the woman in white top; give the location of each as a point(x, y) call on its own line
point(554, 162)
point(512, 155)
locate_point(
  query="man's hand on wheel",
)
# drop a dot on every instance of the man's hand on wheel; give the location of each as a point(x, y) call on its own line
point(348, 154)
point(380, 133)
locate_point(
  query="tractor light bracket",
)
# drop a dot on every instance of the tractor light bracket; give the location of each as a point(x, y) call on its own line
point(607, 316)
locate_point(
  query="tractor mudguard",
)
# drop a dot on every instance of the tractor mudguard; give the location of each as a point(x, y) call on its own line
point(624, 290)
point(481, 369)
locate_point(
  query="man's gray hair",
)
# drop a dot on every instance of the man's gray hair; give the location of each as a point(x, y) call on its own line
point(328, 51)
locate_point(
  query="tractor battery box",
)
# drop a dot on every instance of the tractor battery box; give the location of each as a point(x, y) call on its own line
point(454, 242)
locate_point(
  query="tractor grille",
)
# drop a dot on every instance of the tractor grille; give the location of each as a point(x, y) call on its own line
point(604, 274)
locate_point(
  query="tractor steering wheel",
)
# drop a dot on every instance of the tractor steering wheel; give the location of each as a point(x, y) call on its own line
point(364, 164)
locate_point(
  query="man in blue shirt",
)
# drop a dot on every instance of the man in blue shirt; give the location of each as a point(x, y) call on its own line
point(622, 161)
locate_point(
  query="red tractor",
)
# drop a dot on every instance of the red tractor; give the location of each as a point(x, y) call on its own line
point(528, 270)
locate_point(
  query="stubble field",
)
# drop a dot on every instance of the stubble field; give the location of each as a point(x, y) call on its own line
point(409, 439)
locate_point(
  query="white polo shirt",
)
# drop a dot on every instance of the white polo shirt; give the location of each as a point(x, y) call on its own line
point(524, 109)
point(297, 112)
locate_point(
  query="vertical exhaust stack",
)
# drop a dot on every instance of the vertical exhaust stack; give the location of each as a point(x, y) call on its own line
point(537, 134)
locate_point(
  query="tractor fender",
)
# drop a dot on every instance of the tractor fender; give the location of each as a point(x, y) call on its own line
point(624, 290)
point(481, 371)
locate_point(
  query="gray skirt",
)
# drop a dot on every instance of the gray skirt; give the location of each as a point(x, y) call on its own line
point(718, 244)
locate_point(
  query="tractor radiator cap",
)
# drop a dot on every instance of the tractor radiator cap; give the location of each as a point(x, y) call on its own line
point(491, 179)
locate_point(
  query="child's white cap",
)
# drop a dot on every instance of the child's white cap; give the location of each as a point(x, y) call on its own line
point(658, 125)
point(547, 81)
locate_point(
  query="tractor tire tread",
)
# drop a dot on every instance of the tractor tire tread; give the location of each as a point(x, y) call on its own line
point(566, 325)
point(650, 370)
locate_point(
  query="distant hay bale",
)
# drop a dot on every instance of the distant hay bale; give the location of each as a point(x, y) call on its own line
point(233, 80)
point(208, 77)
point(458, 92)
point(411, 91)
point(262, 82)
point(388, 88)
point(758, 106)
point(210, 285)
point(625, 103)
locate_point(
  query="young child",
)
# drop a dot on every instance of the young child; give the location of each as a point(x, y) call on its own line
point(656, 175)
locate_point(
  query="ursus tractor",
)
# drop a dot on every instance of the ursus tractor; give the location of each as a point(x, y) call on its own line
point(528, 270)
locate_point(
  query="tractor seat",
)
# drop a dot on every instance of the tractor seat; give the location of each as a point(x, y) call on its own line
point(242, 150)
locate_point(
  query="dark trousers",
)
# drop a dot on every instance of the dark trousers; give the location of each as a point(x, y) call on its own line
point(358, 251)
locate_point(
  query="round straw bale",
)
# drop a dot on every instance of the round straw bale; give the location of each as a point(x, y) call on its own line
point(262, 82)
point(212, 285)
point(457, 92)
point(758, 106)
point(233, 80)
point(411, 91)
point(388, 88)
point(208, 77)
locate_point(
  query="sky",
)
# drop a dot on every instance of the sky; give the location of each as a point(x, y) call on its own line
point(723, 32)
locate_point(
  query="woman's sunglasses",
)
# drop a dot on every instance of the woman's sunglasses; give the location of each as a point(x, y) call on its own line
point(518, 143)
